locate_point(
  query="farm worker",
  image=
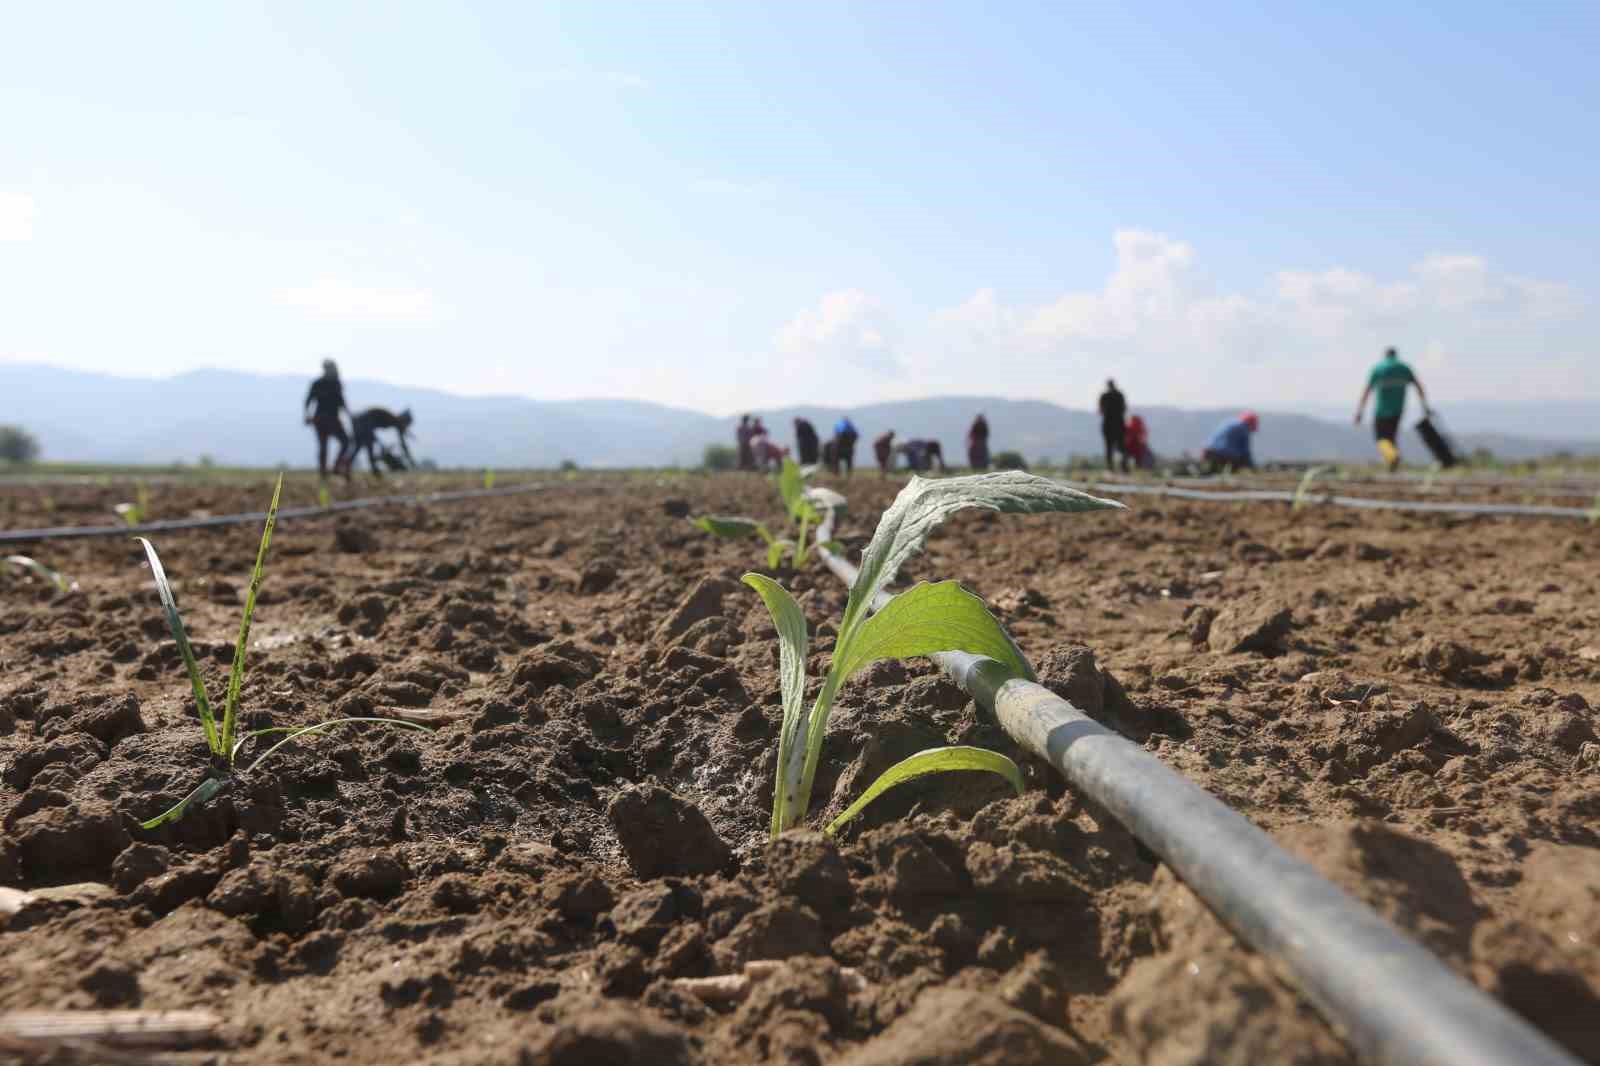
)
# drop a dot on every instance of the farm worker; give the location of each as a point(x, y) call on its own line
point(1229, 446)
point(328, 394)
point(763, 451)
point(844, 445)
point(364, 434)
point(1136, 444)
point(1113, 409)
point(805, 440)
point(923, 454)
point(742, 435)
point(978, 443)
point(1390, 378)
point(883, 449)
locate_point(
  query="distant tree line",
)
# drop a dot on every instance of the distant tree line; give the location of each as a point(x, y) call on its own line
point(17, 445)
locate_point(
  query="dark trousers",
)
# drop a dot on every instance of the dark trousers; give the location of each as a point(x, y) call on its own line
point(1112, 432)
point(1386, 427)
point(329, 429)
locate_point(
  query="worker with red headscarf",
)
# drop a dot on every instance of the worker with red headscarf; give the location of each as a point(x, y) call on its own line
point(1229, 446)
point(1136, 445)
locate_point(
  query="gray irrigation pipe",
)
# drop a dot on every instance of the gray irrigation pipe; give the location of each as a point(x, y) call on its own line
point(1389, 997)
point(16, 536)
point(1365, 502)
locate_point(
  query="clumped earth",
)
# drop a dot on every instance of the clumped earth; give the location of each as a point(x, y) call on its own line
point(1406, 701)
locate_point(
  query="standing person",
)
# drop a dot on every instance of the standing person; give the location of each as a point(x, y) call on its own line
point(328, 394)
point(978, 443)
point(742, 435)
point(883, 449)
point(364, 434)
point(1113, 409)
point(844, 445)
point(1229, 447)
point(1390, 378)
point(805, 441)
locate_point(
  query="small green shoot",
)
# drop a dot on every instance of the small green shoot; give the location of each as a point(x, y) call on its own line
point(931, 761)
point(324, 497)
point(224, 740)
point(1302, 494)
point(800, 502)
point(137, 512)
point(926, 619)
point(488, 479)
point(39, 570)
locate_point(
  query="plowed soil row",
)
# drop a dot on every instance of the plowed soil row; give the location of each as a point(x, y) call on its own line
point(1407, 701)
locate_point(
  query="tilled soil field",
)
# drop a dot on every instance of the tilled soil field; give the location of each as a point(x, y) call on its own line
point(1408, 702)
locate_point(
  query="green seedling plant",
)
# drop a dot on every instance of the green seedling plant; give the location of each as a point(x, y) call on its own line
point(1302, 494)
point(225, 740)
point(39, 570)
point(324, 497)
point(488, 478)
point(925, 619)
point(136, 512)
point(801, 503)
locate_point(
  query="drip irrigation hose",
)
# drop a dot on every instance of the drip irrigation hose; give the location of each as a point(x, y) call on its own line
point(1392, 1000)
point(17, 536)
point(1365, 502)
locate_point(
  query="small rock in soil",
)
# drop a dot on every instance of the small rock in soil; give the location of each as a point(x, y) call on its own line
point(354, 539)
point(963, 1027)
point(778, 929)
point(369, 875)
point(612, 1034)
point(705, 600)
point(663, 833)
point(597, 576)
point(1252, 626)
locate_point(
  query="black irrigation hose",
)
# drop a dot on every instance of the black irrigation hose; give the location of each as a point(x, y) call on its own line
point(1390, 998)
point(16, 536)
point(1364, 502)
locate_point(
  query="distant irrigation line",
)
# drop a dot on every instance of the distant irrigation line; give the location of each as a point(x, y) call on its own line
point(16, 536)
point(1368, 503)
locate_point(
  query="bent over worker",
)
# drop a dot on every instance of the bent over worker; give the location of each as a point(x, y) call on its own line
point(1229, 446)
point(1389, 378)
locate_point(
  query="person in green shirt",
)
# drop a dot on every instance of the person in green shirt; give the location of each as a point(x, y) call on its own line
point(1389, 378)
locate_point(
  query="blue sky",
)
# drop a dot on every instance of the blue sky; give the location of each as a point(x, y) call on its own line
point(725, 205)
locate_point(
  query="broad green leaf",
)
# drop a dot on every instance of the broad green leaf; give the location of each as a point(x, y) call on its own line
point(926, 619)
point(932, 761)
point(731, 527)
point(230, 708)
point(790, 622)
point(924, 503)
point(206, 789)
point(295, 732)
point(793, 488)
point(39, 570)
point(175, 624)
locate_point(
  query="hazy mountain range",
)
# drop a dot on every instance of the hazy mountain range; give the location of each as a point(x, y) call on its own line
point(240, 418)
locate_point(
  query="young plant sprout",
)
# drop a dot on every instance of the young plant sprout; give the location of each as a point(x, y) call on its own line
point(226, 741)
point(800, 502)
point(1302, 494)
point(39, 570)
point(324, 497)
point(135, 513)
point(488, 478)
point(925, 619)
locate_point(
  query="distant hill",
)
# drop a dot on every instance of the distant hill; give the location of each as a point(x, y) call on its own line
point(240, 418)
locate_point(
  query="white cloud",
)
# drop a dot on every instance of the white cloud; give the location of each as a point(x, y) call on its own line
point(338, 298)
point(1160, 323)
point(16, 216)
point(847, 328)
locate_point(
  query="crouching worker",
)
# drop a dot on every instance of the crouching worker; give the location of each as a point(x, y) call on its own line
point(1136, 445)
point(922, 454)
point(1229, 447)
point(364, 434)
